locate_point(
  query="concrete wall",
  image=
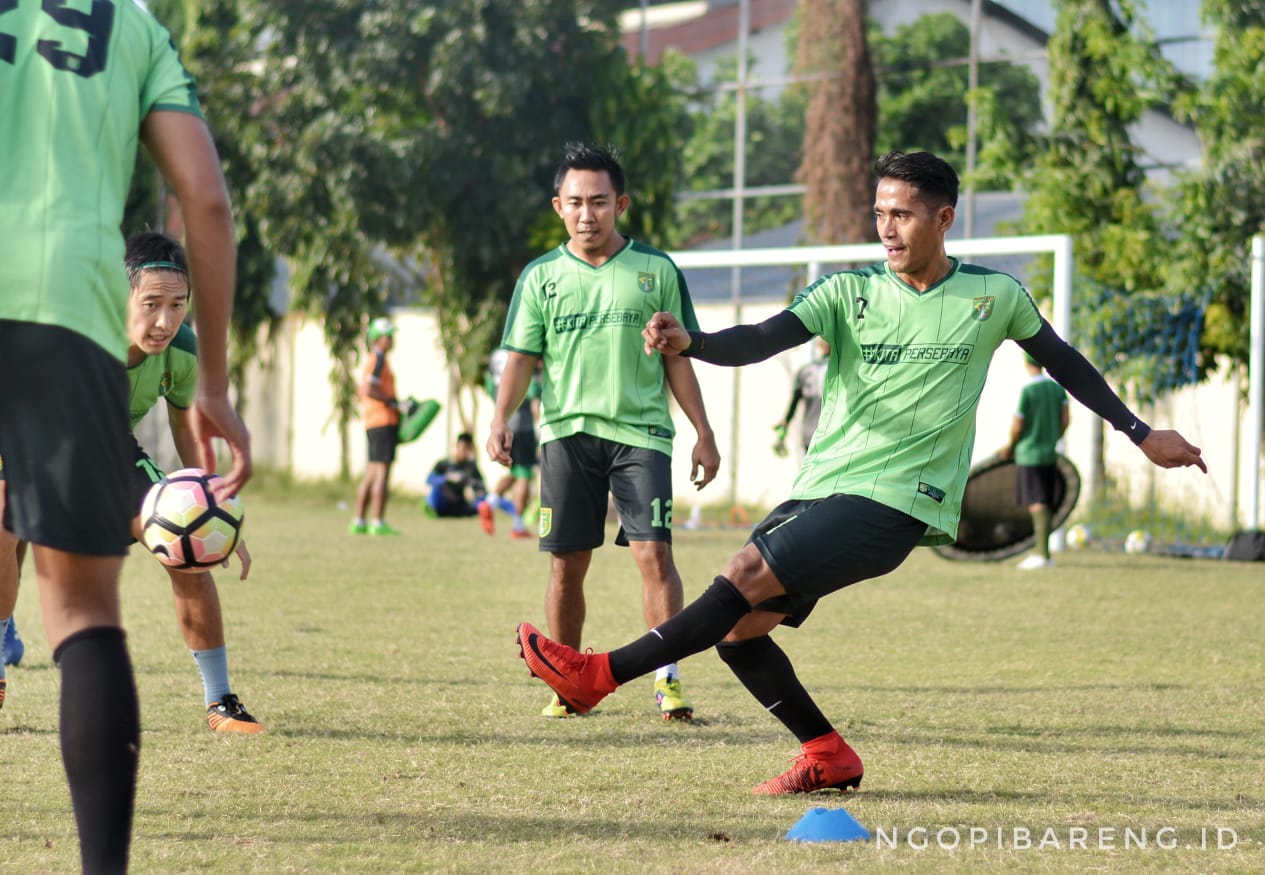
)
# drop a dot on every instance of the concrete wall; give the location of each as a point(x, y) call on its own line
point(290, 402)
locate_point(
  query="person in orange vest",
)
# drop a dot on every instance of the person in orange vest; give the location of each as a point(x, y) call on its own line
point(379, 409)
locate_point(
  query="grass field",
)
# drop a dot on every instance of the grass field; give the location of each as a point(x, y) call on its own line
point(1111, 694)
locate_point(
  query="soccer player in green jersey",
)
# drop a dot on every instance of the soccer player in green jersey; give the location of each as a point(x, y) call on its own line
point(910, 343)
point(605, 428)
point(162, 363)
point(78, 91)
point(1035, 430)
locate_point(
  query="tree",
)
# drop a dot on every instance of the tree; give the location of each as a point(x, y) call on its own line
point(216, 51)
point(430, 132)
point(1220, 208)
point(775, 140)
point(841, 117)
point(1088, 182)
point(924, 101)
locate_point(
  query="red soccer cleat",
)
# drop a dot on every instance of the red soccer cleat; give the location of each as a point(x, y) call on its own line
point(485, 517)
point(581, 680)
point(827, 763)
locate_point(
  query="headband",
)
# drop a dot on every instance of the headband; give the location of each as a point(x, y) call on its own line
point(162, 265)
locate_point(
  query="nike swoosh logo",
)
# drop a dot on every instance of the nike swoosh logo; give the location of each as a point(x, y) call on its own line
point(531, 642)
point(1134, 426)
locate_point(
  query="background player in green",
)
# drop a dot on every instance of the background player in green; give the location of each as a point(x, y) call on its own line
point(1038, 424)
point(604, 421)
point(78, 91)
point(910, 342)
point(162, 364)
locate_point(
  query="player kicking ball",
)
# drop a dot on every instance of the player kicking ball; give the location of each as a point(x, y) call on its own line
point(910, 344)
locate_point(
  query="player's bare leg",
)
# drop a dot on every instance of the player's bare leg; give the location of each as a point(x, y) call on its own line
point(564, 598)
point(565, 607)
point(662, 596)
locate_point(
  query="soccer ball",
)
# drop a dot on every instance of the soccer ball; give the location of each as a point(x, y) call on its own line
point(1137, 541)
point(184, 526)
point(1079, 536)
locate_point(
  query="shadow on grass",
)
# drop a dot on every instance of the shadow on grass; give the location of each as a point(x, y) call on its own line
point(1063, 741)
point(467, 826)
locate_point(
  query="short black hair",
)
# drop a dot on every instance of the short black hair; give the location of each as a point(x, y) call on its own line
point(935, 178)
point(150, 248)
point(465, 438)
point(586, 156)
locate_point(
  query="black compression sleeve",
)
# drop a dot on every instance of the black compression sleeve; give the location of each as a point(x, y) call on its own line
point(745, 344)
point(1073, 372)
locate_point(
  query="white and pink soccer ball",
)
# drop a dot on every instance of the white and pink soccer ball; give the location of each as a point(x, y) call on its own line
point(184, 526)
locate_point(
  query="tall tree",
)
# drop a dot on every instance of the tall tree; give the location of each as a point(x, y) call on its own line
point(775, 140)
point(923, 101)
point(432, 131)
point(216, 50)
point(1105, 72)
point(1222, 206)
point(840, 123)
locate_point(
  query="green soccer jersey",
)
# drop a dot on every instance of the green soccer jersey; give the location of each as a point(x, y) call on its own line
point(74, 88)
point(172, 374)
point(905, 375)
point(1041, 404)
point(585, 322)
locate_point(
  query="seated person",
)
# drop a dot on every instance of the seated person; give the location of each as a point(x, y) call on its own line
point(457, 487)
point(456, 484)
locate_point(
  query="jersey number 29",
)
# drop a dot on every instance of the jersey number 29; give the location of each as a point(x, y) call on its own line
point(97, 24)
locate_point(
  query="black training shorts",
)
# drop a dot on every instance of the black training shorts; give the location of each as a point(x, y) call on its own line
point(818, 546)
point(523, 452)
point(64, 440)
point(382, 443)
point(1034, 484)
point(577, 473)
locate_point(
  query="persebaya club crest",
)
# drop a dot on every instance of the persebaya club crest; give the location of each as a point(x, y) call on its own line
point(546, 521)
point(645, 282)
point(983, 307)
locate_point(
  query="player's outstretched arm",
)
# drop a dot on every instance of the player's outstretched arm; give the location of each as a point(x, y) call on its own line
point(1168, 449)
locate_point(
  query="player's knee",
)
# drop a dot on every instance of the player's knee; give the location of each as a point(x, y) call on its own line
point(185, 584)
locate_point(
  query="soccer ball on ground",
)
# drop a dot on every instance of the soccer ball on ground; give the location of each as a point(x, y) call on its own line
point(184, 526)
point(1137, 541)
point(1079, 536)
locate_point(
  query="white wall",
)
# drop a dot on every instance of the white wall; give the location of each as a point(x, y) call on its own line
point(295, 423)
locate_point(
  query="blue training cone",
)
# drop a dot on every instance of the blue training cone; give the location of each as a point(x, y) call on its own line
point(828, 825)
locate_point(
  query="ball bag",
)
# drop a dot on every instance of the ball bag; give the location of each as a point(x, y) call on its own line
point(415, 417)
point(993, 526)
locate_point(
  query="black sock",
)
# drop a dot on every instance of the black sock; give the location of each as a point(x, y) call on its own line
point(699, 626)
point(767, 673)
point(100, 743)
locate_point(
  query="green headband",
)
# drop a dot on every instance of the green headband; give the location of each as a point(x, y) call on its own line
point(162, 265)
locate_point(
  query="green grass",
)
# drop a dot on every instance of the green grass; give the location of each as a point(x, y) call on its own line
point(1111, 692)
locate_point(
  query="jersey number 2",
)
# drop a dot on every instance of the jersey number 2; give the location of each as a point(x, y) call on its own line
point(97, 24)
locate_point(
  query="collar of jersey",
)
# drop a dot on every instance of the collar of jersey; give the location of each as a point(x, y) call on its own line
point(628, 241)
point(955, 264)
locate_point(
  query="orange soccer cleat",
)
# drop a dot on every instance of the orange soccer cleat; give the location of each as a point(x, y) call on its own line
point(581, 680)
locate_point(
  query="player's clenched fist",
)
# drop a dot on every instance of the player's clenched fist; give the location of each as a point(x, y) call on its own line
point(663, 333)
